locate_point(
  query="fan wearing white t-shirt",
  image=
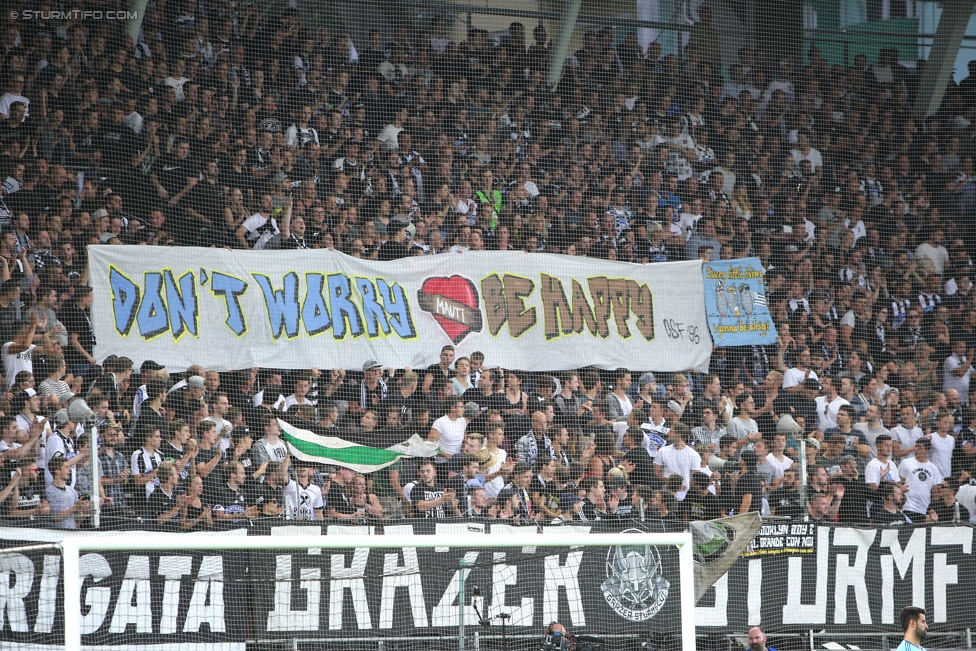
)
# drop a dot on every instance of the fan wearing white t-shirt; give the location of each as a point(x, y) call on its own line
point(920, 476)
point(794, 377)
point(828, 405)
point(905, 434)
point(304, 496)
point(448, 430)
point(618, 402)
point(966, 495)
point(269, 448)
point(678, 459)
point(17, 354)
point(943, 443)
point(219, 407)
point(496, 474)
point(255, 231)
point(882, 467)
point(778, 461)
point(300, 397)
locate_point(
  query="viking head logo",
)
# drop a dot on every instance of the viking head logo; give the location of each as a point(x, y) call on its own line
point(635, 586)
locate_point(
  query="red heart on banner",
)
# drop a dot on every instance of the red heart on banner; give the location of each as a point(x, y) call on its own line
point(454, 304)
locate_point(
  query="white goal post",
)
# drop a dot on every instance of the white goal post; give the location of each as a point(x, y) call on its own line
point(73, 547)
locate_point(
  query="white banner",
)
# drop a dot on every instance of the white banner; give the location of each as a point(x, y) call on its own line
point(228, 310)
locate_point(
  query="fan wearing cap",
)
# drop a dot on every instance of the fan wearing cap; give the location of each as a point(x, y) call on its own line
point(30, 404)
point(190, 399)
point(63, 442)
point(146, 372)
point(372, 389)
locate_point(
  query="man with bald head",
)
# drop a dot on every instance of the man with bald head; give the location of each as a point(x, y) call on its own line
point(211, 382)
point(758, 641)
point(536, 444)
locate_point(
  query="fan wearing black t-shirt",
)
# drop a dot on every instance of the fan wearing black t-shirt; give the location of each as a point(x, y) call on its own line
point(853, 504)
point(426, 498)
point(892, 498)
point(164, 503)
point(231, 504)
point(269, 493)
point(619, 489)
point(405, 397)
point(545, 494)
point(748, 488)
point(787, 500)
point(942, 507)
point(440, 371)
point(81, 336)
point(176, 176)
point(699, 504)
point(339, 504)
point(116, 140)
point(208, 458)
point(484, 394)
point(595, 506)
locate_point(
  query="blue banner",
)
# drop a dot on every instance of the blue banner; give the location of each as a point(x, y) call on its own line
point(735, 303)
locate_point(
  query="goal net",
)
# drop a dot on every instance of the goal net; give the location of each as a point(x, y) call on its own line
point(464, 588)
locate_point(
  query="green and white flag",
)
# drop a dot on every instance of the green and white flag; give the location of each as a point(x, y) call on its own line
point(310, 447)
point(718, 544)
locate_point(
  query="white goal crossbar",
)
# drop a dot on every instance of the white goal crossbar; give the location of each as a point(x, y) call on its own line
point(72, 546)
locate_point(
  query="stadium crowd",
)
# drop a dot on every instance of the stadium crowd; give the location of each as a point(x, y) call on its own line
point(226, 127)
